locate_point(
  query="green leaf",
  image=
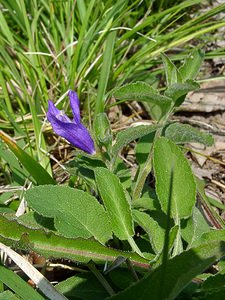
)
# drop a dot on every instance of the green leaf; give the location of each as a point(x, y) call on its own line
point(82, 286)
point(146, 203)
point(152, 228)
point(105, 71)
point(123, 173)
point(184, 133)
point(172, 73)
point(18, 285)
point(166, 282)
point(192, 64)
point(102, 130)
point(83, 161)
point(216, 203)
point(8, 295)
point(128, 135)
point(213, 295)
point(115, 201)
point(194, 227)
point(141, 91)
point(84, 166)
point(19, 174)
point(143, 147)
point(135, 91)
point(51, 245)
point(40, 175)
point(76, 213)
point(214, 283)
point(174, 179)
point(35, 221)
point(178, 91)
point(121, 278)
point(213, 235)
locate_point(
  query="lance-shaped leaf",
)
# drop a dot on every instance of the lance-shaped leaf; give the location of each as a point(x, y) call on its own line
point(76, 213)
point(184, 133)
point(51, 245)
point(174, 179)
point(116, 203)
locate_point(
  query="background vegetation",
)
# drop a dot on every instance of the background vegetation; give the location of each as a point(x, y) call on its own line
point(93, 47)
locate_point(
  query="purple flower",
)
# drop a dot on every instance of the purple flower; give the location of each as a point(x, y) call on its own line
point(72, 130)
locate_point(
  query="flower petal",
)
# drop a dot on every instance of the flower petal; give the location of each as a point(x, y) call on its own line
point(54, 112)
point(75, 106)
point(74, 133)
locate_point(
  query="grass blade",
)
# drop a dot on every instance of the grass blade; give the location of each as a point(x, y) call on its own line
point(18, 285)
point(104, 75)
point(40, 175)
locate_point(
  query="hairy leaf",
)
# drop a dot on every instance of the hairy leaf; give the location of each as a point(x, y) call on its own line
point(194, 227)
point(184, 133)
point(116, 203)
point(141, 91)
point(174, 179)
point(178, 91)
point(192, 64)
point(128, 135)
point(76, 213)
point(51, 245)
point(152, 228)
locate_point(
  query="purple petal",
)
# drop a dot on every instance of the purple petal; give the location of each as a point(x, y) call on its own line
point(75, 106)
point(74, 133)
point(54, 112)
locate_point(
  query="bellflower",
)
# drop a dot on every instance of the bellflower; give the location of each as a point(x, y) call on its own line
point(72, 130)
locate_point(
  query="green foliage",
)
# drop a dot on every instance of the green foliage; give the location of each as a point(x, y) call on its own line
point(141, 91)
point(184, 133)
point(36, 171)
point(116, 203)
point(194, 227)
point(76, 213)
point(107, 50)
point(173, 75)
point(191, 65)
point(52, 245)
point(103, 131)
point(18, 285)
point(173, 175)
point(177, 273)
point(130, 134)
point(82, 286)
point(7, 295)
point(152, 228)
